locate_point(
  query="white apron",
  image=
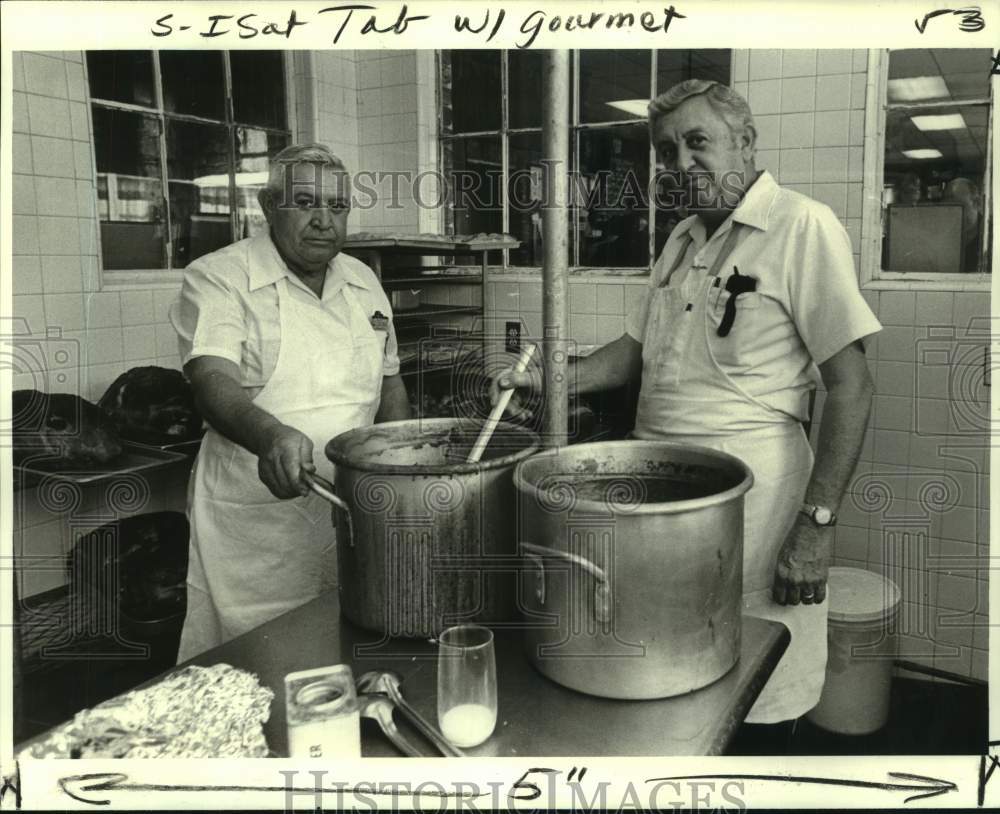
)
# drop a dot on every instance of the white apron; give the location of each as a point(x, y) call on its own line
point(253, 556)
point(682, 378)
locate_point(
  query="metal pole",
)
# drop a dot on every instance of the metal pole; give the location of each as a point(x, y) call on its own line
point(555, 241)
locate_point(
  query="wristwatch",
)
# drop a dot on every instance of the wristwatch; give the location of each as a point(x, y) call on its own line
point(820, 515)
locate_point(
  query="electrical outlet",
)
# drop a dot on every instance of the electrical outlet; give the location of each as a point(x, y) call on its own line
point(512, 341)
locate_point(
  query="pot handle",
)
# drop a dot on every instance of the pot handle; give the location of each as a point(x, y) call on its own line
point(603, 602)
point(322, 487)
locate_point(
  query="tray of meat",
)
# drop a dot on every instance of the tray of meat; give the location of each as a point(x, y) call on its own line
point(61, 426)
point(65, 437)
point(154, 407)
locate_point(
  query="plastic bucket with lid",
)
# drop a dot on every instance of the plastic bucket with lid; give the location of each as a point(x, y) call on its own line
point(861, 650)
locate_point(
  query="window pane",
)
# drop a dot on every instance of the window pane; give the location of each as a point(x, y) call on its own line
point(129, 189)
point(939, 74)
point(258, 88)
point(253, 148)
point(524, 198)
point(470, 91)
point(614, 174)
point(198, 174)
point(614, 85)
point(935, 160)
point(121, 76)
point(524, 86)
point(676, 66)
point(524, 190)
point(474, 177)
point(193, 83)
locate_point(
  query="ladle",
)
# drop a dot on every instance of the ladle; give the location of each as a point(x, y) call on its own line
point(387, 682)
point(497, 413)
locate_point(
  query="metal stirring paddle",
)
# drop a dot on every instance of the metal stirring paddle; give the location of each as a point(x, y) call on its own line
point(497, 413)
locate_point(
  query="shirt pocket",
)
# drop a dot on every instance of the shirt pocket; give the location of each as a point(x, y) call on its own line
point(735, 350)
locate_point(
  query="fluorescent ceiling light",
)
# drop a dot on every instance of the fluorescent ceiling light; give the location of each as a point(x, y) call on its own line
point(634, 107)
point(947, 121)
point(923, 153)
point(918, 88)
point(243, 179)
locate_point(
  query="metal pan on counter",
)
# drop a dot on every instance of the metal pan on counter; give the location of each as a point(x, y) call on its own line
point(188, 448)
point(34, 469)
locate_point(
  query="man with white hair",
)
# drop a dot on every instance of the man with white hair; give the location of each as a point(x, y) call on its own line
point(753, 301)
point(287, 343)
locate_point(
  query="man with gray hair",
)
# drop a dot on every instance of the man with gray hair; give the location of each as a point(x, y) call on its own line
point(753, 302)
point(287, 343)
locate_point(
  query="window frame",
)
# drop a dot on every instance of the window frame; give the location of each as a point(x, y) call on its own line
point(873, 277)
point(168, 277)
point(576, 127)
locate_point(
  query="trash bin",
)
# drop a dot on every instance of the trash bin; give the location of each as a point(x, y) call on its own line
point(861, 650)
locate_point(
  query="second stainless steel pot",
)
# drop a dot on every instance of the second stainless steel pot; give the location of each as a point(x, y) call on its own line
point(634, 562)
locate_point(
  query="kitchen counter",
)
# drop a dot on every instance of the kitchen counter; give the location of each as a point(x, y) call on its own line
point(536, 716)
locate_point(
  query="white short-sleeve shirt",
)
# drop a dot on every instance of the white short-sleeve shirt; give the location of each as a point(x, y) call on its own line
point(807, 305)
point(228, 306)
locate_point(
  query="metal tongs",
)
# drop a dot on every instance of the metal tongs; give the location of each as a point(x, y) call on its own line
point(379, 708)
point(379, 695)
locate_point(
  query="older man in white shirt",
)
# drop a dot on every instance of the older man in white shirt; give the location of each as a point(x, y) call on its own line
point(287, 343)
point(752, 302)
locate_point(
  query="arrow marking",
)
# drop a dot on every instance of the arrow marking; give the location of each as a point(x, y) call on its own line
point(930, 786)
point(77, 785)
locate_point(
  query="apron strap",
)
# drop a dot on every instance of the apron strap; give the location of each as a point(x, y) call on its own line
point(728, 245)
point(678, 258)
point(727, 249)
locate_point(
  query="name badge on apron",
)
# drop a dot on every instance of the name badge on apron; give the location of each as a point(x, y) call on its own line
point(379, 321)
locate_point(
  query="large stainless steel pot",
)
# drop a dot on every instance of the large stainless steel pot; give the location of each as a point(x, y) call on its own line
point(635, 555)
point(426, 540)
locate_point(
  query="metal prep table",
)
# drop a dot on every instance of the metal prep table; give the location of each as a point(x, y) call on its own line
point(535, 715)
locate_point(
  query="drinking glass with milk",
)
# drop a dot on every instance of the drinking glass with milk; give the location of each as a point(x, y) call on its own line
point(467, 685)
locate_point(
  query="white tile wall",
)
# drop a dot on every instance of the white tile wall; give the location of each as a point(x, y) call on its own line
point(61, 274)
point(25, 234)
point(798, 62)
point(386, 99)
point(923, 382)
point(797, 130)
point(765, 64)
point(24, 202)
point(833, 92)
point(797, 95)
point(370, 106)
point(27, 274)
point(53, 156)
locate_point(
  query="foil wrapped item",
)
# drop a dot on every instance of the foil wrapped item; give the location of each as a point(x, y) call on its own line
point(196, 712)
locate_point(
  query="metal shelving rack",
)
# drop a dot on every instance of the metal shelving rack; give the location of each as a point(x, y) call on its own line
point(376, 249)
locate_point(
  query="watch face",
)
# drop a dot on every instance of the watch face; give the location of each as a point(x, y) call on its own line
point(822, 515)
